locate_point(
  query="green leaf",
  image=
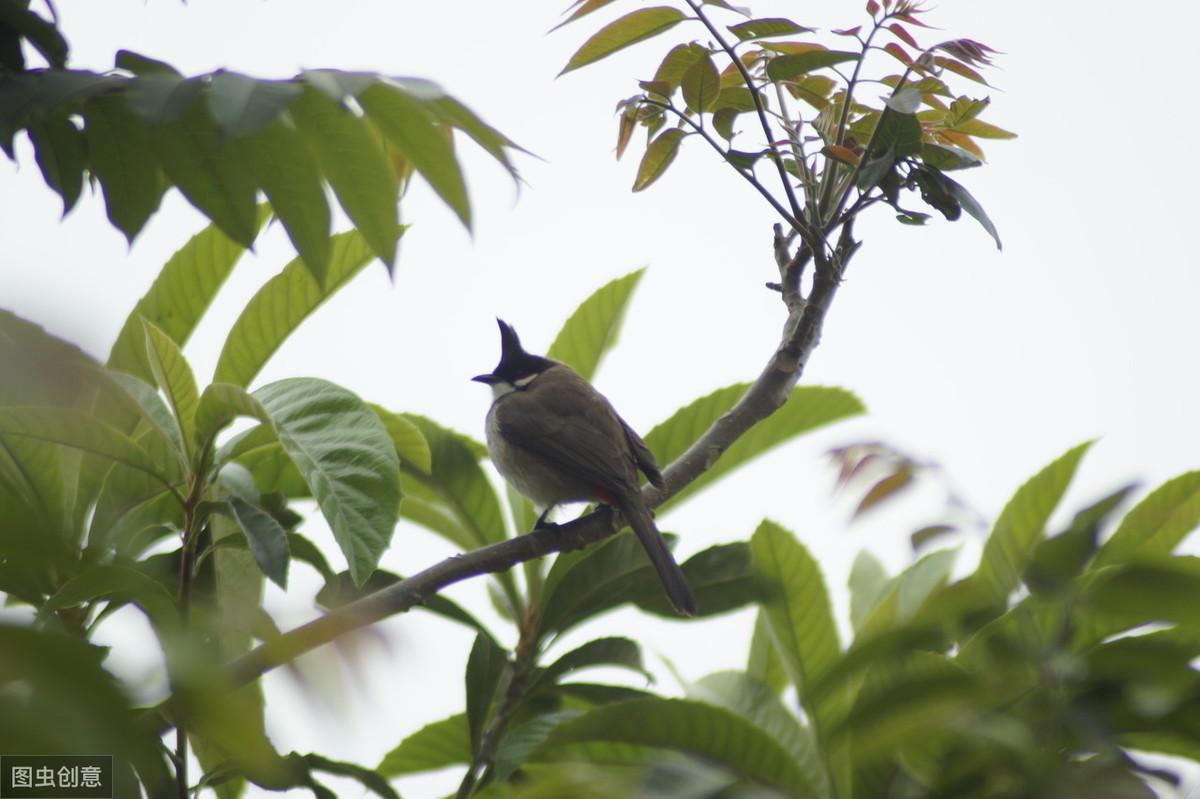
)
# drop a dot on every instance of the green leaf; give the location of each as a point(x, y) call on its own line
point(764, 663)
point(1021, 525)
point(410, 443)
point(219, 405)
point(120, 584)
point(340, 590)
point(797, 608)
point(174, 377)
point(701, 85)
point(281, 305)
point(592, 329)
point(614, 651)
point(58, 146)
point(412, 129)
point(1159, 590)
point(721, 578)
point(434, 746)
point(161, 97)
point(962, 198)
point(630, 29)
point(585, 583)
point(759, 704)
point(765, 28)
point(669, 74)
point(84, 432)
point(522, 740)
point(806, 408)
point(787, 67)
point(1157, 524)
point(658, 156)
point(149, 405)
point(486, 666)
point(945, 157)
point(208, 171)
point(346, 457)
point(241, 105)
point(285, 169)
point(868, 584)
point(455, 499)
point(178, 298)
point(119, 155)
point(695, 728)
point(1057, 561)
point(355, 166)
point(582, 8)
point(267, 539)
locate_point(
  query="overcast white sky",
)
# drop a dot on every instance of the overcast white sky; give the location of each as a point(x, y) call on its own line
point(989, 363)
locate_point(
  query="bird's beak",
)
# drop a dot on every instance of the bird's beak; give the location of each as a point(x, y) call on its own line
point(486, 379)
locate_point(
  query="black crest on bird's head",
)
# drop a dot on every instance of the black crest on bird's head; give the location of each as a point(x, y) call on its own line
point(515, 362)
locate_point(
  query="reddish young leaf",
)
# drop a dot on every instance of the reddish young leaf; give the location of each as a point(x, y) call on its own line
point(968, 50)
point(911, 19)
point(839, 153)
point(898, 52)
point(872, 8)
point(847, 31)
point(884, 489)
point(904, 35)
point(617, 35)
point(959, 68)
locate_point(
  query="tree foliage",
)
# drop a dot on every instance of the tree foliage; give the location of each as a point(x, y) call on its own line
point(1043, 670)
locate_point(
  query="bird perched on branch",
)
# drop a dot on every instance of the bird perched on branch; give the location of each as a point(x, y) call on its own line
point(557, 439)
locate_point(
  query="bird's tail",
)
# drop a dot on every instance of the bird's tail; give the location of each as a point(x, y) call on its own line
point(669, 574)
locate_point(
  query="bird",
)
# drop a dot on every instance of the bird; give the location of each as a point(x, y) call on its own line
point(557, 439)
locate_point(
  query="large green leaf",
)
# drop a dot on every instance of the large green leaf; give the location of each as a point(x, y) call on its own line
point(787, 67)
point(1151, 590)
point(209, 172)
point(339, 447)
point(613, 651)
point(1022, 523)
point(696, 728)
point(434, 746)
point(355, 166)
point(807, 408)
point(761, 706)
point(868, 584)
point(411, 128)
point(84, 432)
point(281, 305)
point(1157, 524)
point(58, 146)
point(179, 296)
point(145, 401)
point(721, 577)
point(455, 498)
point(288, 174)
point(592, 330)
point(701, 85)
point(410, 443)
point(175, 379)
point(634, 27)
point(119, 583)
point(798, 611)
point(119, 156)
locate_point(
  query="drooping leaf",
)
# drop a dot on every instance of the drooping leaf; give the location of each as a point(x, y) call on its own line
point(1021, 525)
point(613, 651)
point(593, 328)
point(968, 203)
point(1058, 560)
point(355, 166)
point(411, 128)
point(267, 539)
point(118, 153)
point(868, 584)
point(58, 146)
point(659, 155)
point(695, 728)
point(286, 171)
point(721, 578)
point(1162, 589)
point(434, 746)
point(806, 408)
point(279, 307)
point(797, 607)
point(679, 58)
point(764, 663)
point(630, 29)
point(241, 105)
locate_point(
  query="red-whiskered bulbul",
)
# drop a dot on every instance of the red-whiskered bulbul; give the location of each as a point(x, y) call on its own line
point(557, 439)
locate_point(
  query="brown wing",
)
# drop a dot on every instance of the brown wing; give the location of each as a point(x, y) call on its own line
point(643, 456)
point(566, 422)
